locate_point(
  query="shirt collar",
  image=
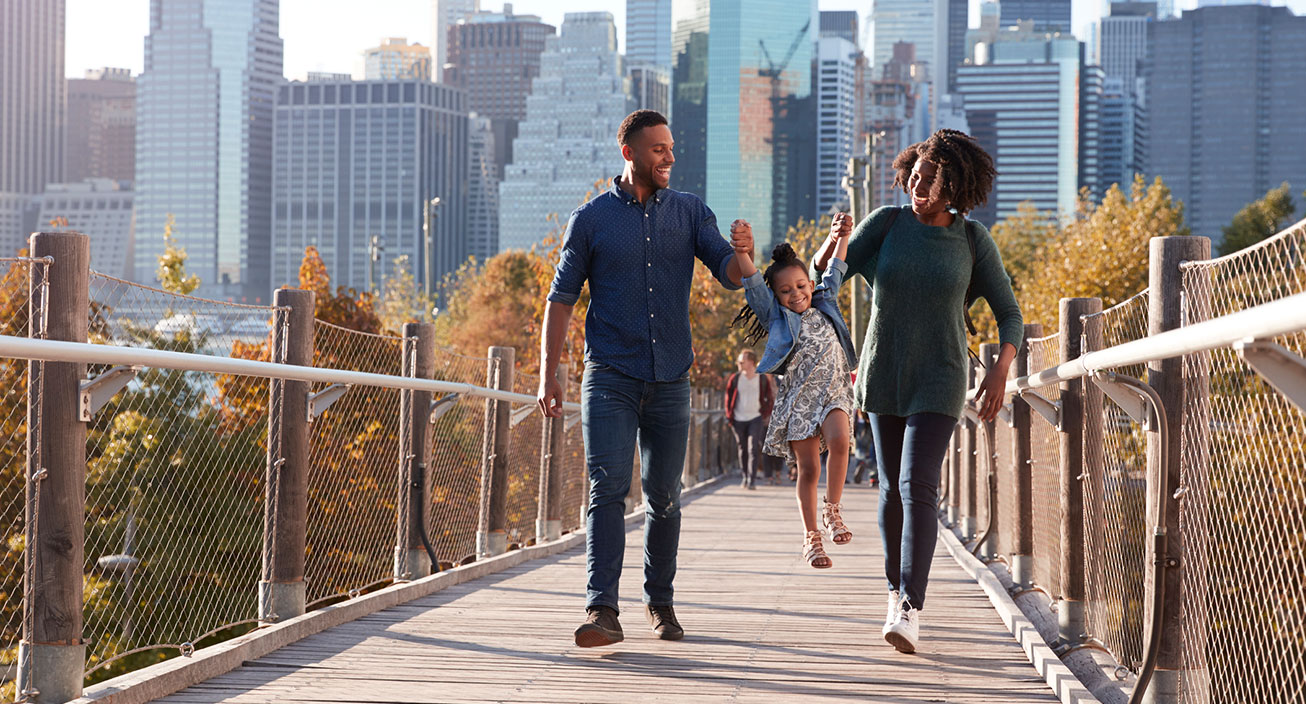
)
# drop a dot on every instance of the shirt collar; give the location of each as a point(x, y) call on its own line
point(628, 197)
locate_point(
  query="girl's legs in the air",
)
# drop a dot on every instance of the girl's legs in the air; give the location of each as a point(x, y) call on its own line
point(808, 454)
point(838, 440)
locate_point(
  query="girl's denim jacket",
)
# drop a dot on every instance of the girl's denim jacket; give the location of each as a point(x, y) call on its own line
point(783, 325)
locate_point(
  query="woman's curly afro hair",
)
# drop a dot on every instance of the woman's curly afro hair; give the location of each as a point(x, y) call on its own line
point(965, 170)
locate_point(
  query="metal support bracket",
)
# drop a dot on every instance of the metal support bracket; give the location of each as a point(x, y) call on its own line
point(1283, 369)
point(1050, 410)
point(322, 400)
point(441, 406)
point(1131, 400)
point(97, 392)
point(572, 420)
point(971, 415)
point(1005, 414)
point(521, 414)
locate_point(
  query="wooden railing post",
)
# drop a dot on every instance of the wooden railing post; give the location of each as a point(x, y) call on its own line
point(548, 521)
point(1165, 312)
point(690, 477)
point(953, 512)
point(492, 533)
point(986, 466)
point(52, 652)
point(1070, 609)
point(968, 490)
point(285, 508)
point(1022, 533)
point(418, 355)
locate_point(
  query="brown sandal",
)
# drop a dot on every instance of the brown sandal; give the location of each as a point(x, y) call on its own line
point(813, 552)
point(832, 523)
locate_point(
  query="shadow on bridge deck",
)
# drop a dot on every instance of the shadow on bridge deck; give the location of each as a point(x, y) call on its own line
point(761, 626)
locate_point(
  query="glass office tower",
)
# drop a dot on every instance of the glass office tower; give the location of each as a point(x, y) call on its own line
point(204, 140)
point(744, 109)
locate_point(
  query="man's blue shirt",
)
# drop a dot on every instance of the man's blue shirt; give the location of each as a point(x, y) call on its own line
point(639, 261)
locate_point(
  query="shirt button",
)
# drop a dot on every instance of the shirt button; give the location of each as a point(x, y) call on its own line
point(650, 290)
point(650, 315)
point(645, 214)
point(650, 263)
point(655, 340)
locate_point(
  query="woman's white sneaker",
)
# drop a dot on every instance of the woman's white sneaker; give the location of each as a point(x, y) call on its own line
point(905, 633)
point(891, 615)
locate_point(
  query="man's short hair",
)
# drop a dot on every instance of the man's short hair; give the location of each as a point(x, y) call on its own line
point(637, 121)
point(746, 352)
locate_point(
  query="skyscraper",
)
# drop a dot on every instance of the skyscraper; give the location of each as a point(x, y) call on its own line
point(1122, 139)
point(744, 114)
point(648, 32)
point(357, 159)
point(1024, 109)
point(494, 57)
point(568, 141)
point(33, 104)
point(839, 23)
point(836, 96)
point(1047, 15)
point(100, 208)
point(445, 14)
point(396, 59)
point(1124, 39)
point(958, 24)
point(204, 140)
point(102, 126)
point(1091, 99)
point(1226, 101)
point(650, 86)
point(483, 177)
point(920, 22)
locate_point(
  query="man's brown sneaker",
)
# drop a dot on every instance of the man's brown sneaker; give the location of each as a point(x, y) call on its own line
point(664, 623)
point(600, 628)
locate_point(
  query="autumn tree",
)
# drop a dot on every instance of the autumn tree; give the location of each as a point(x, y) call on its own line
point(1259, 220)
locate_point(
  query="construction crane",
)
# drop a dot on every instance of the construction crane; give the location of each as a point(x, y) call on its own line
point(773, 71)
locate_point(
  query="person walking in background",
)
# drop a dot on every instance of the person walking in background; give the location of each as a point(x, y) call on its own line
point(925, 265)
point(749, 398)
point(635, 245)
point(808, 344)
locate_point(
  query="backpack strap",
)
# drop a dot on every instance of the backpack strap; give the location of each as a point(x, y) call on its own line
point(970, 295)
point(893, 216)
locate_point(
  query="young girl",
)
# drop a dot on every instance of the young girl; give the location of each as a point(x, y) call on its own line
point(807, 343)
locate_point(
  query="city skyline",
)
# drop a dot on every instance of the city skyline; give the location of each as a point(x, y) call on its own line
point(101, 34)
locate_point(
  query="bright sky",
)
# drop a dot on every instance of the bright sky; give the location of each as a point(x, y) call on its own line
point(330, 35)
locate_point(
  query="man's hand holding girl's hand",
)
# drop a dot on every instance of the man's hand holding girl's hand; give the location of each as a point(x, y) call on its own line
point(741, 238)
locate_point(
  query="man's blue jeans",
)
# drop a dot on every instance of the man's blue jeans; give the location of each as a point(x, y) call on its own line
point(616, 411)
point(910, 453)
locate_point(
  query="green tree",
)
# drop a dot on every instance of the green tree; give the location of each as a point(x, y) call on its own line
point(1259, 220)
point(402, 300)
point(172, 264)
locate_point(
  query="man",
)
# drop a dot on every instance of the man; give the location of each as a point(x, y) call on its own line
point(635, 244)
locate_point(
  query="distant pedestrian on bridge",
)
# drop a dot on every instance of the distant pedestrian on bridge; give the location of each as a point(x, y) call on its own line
point(925, 265)
point(635, 244)
point(749, 400)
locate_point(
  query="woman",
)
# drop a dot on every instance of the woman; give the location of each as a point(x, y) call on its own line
point(921, 262)
point(749, 398)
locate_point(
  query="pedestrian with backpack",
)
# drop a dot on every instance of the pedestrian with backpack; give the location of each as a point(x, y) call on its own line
point(925, 265)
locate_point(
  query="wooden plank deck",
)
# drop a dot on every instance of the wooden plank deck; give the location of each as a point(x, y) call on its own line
point(761, 626)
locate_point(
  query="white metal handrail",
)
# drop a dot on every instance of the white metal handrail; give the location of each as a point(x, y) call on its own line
point(86, 353)
point(1286, 315)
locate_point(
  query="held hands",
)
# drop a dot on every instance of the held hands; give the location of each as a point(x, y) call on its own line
point(841, 226)
point(550, 396)
point(741, 240)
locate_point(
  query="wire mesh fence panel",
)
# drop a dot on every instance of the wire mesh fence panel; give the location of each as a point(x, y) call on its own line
point(20, 316)
point(353, 473)
point(454, 469)
point(1045, 468)
point(575, 478)
point(524, 462)
point(1243, 506)
point(175, 482)
point(1115, 498)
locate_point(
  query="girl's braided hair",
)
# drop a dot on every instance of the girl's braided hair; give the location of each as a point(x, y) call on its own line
point(782, 257)
point(965, 170)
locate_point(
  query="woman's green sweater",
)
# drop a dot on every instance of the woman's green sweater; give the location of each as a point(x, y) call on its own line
point(914, 358)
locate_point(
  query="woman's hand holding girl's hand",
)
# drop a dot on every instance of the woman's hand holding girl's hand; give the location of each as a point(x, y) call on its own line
point(992, 391)
point(841, 226)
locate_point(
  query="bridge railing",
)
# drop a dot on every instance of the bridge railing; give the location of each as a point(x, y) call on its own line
point(243, 464)
point(1149, 474)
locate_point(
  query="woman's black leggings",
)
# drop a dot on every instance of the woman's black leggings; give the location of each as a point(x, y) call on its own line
point(910, 453)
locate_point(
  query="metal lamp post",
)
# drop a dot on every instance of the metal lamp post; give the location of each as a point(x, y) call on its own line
point(427, 240)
